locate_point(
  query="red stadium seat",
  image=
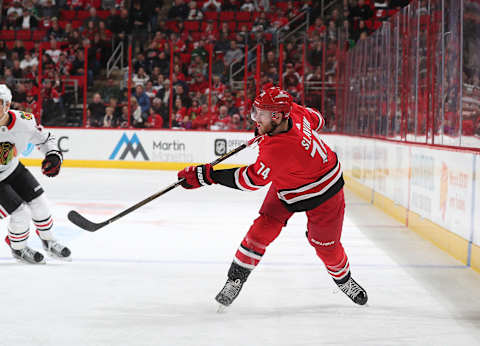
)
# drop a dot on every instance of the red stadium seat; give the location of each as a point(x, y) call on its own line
point(76, 24)
point(82, 15)
point(67, 15)
point(227, 16)
point(210, 15)
point(103, 14)
point(9, 44)
point(196, 36)
point(243, 16)
point(191, 25)
point(39, 35)
point(7, 35)
point(232, 26)
point(29, 45)
point(23, 35)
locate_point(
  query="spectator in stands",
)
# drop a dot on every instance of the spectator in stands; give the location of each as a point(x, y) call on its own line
point(123, 120)
point(332, 31)
point(361, 29)
point(140, 78)
point(55, 31)
point(261, 23)
point(199, 50)
point(159, 107)
point(28, 61)
point(203, 119)
point(397, 4)
point(163, 63)
point(361, 11)
point(139, 22)
point(179, 114)
point(291, 78)
point(159, 86)
point(222, 120)
point(194, 13)
point(212, 5)
point(16, 7)
point(179, 11)
point(11, 22)
point(233, 53)
point(119, 28)
point(49, 9)
point(149, 90)
point(54, 52)
point(218, 66)
point(96, 111)
point(199, 84)
point(27, 21)
point(142, 99)
point(248, 6)
point(269, 62)
point(223, 42)
point(136, 112)
point(317, 29)
point(154, 120)
point(108, 119)
point(17, 72)
point(235, 123)
point(92, 18)
point(19, 49)
point(179, 92)
point(231, 5)
point(111, 91)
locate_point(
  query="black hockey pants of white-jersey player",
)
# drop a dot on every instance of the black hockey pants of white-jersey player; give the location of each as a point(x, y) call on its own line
point(21, 197)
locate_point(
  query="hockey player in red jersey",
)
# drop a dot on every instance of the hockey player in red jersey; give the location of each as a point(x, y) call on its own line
point(306, 177)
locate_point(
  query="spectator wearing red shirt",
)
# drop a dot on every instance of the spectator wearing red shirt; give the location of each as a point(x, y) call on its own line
point(199, 84)
point(154, 120)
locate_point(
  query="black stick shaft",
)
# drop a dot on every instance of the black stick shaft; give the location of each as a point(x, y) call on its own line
point(171, 186)
point(86, 224)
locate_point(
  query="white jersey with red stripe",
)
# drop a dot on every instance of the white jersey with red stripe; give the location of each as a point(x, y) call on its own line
point(21, 130)
point(305, 171)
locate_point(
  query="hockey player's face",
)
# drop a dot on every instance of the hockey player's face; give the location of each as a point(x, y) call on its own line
point(264, 121)
point(4, 108)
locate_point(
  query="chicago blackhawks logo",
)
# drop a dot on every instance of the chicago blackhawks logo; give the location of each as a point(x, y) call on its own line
point(7, 152)
point(27, 116)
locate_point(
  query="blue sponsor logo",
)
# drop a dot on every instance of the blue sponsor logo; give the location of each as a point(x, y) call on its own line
point(28, 150)
point(132, 146)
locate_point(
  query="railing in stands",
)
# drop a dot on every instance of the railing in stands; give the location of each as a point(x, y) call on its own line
point(240, 67)
point(292, 28)
point(116, 59)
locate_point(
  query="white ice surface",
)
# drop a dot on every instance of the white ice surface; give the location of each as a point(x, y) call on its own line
point(150, 278)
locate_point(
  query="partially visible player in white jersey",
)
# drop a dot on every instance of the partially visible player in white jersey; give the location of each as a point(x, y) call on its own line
point(21, 196)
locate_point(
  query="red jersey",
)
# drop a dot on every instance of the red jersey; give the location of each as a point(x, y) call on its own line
point(305, 171)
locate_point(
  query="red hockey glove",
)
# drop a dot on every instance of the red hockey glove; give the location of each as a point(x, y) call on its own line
point(196, 176)
point(52, 163)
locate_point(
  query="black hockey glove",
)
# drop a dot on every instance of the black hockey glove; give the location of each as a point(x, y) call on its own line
point(196, 176)
point(52, 163)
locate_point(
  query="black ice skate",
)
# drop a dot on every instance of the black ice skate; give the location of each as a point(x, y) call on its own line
point(56, 250)
point(353, 290)
point(228, 293)
point(26, 254)
point(237, 276)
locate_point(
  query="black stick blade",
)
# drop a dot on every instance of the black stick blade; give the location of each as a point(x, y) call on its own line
point(83, 223)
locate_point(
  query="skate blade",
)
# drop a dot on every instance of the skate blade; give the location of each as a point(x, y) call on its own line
point(22, 261)
point(64, 259)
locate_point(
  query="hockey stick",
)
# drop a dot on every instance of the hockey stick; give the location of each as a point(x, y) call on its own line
point(90, 226)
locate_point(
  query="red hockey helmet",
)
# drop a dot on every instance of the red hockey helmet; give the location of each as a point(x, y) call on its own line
point(274, 99)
